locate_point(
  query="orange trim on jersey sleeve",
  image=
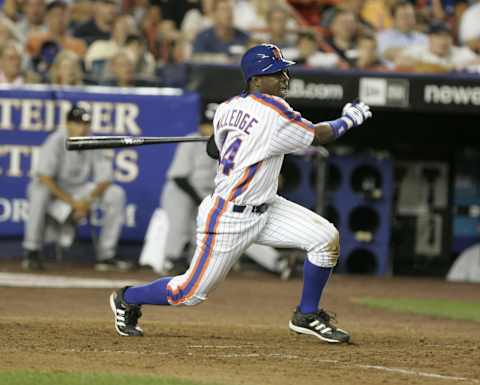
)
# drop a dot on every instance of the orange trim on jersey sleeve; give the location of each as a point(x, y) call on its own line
point(299, 123)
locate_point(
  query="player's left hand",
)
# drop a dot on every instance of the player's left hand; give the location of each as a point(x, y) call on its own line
point(356, 113)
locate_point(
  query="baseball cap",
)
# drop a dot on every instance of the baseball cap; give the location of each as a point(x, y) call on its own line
point(438, 27)
point(78, 114)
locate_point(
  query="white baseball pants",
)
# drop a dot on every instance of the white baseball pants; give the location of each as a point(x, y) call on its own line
point(223, 235)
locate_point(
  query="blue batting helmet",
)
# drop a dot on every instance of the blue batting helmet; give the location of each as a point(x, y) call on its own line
point(263, 59)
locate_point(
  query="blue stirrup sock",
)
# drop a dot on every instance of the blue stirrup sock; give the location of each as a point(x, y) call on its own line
point(154, 293)
point(315, 279)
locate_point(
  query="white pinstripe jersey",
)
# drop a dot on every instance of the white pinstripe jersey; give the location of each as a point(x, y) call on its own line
point(253, 132)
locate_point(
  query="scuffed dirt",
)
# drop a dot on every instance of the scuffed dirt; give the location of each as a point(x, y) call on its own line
point(240, 335)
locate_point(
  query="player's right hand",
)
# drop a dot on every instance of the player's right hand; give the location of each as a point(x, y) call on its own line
point(356, 113)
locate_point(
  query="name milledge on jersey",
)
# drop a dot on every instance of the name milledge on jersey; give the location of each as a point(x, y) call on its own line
point(253, 132)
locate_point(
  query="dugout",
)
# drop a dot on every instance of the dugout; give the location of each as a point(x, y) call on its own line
point(404, 189)
point(420, 153)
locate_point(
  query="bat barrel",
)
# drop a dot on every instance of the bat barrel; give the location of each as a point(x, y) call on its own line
point(79, 143)
point(96, 142)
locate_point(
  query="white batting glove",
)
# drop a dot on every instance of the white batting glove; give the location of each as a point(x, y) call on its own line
point(356, 113)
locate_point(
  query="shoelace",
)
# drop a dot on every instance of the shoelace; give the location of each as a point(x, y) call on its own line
point(327, 317)
point(132, 315)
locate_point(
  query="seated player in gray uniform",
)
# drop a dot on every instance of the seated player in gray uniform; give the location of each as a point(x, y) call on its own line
point(65, 185)
point(190, 178)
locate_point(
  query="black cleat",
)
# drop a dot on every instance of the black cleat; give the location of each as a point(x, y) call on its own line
point(125, 315)
point(319, 325)
point(32, 260)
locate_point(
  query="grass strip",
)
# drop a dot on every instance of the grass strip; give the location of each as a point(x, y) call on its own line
point(442, 308)
point(63, 378)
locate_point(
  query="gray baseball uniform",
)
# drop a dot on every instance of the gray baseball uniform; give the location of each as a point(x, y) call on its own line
point(192, 162)
point(72, 171)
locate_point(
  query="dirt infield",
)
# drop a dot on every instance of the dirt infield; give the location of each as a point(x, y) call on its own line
point(240, 336)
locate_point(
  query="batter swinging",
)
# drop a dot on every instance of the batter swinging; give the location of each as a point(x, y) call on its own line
point(253, 132)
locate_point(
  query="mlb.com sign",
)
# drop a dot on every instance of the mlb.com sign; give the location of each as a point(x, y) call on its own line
point(385, 92)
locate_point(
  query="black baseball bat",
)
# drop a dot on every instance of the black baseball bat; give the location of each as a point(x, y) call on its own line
point(78, 143)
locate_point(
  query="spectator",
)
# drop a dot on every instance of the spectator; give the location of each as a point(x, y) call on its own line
point(277, 33)
point(469, 31)
point(160, 34)
point(344, 33)
point(144, 62)
point(66, 69)
point(367, 54)
point(354, 6)
point(440, 55)
point(11, 64)
point(174, 10)
point(81, 11)
point(150, 27)
point(252, 15)
point(306, 53)
point(34, 15)
point(137, 9)
point(222, 41)
point(392, 41)
point(8, 25)
point(7, 31)
point(174, 72)
point(309, 10)
point(196, 20)
point(11, 10)
point(102, 50)
point(440, 10)
point(378, 13)
point(122, 68)
point(100, 26)
point(57, 20)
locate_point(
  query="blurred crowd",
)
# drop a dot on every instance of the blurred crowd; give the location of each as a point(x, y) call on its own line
point(150, 42)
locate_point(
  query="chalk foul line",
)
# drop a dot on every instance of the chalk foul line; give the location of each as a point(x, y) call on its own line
point(258, 355)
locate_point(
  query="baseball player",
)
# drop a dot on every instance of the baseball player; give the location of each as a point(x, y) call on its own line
point(252, 133)
point(190, 178)
point(60, 189)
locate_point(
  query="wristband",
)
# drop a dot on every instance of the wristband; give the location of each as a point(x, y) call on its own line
point(340, 126)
